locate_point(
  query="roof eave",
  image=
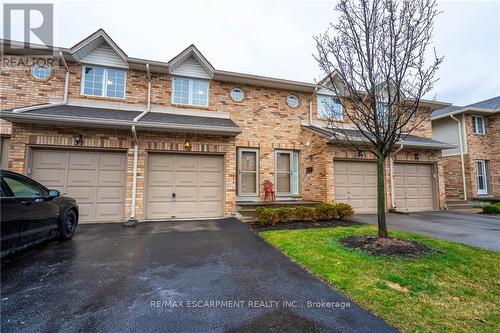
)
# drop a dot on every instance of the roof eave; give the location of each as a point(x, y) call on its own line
point(116, 123)
point(465, 110)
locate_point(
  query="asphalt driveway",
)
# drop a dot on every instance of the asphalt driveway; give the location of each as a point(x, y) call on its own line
point(467, 228)
point(168, 276)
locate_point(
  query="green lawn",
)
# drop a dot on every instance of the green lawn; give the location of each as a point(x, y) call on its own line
point(454, 289)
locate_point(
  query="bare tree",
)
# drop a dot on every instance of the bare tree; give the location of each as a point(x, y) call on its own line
point(376, 60)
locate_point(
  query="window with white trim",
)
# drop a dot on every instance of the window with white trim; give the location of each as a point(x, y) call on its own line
point(478, 125)
point(104, 82)
point(190, 91)
point(329, 107)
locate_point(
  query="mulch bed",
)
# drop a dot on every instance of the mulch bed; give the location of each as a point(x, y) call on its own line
point(386, 246)
point(292, 225)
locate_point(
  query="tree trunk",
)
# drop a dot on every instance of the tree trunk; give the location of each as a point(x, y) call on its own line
point(382, 226)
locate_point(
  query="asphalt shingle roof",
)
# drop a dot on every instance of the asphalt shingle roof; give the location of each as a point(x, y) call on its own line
point(128, 116)
point(490, 104)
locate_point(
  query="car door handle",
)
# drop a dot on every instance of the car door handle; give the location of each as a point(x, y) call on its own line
point(26, 203)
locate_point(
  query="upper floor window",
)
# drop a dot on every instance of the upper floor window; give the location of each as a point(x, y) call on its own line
point(383, 112)
point(329, 107)
point(104, 82)
point(41, 72)
point(478, 125)
point(190, 91)
point(237, 94)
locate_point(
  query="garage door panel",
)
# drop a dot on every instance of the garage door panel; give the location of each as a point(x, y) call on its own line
point(95, 179)
point(210, 164)
point(183, 178)
point(210, 179)
point(161, 178)
point(112, 162)
point(83, 160)
point(210, 193)
point(355, 180)
point(159, 210)
point(210, 208)
point(81, 177)
point(51, 160)
point(186, 193)
point(370, 180)
point(370, 192)
point(51, 178)
point(82, 194)
point(160, 193)
point(110, 178)
point(86, 211)
point(355, 183)
point(340, 167)
point(110, 194)
point(340, 180)
point(425, 181)
point(186, 162)
point(157, 162)
point(340, 193)
point(109, 211)
point(356, 192)
point(185, 209)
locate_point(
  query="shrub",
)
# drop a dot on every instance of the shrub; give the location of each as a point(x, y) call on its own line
point(326, 211)
point(266, 216)
point(344, 210)
point(284, 214)
point(491, 209)
point(304, 213)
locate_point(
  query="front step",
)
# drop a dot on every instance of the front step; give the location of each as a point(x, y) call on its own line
point(459, 204)
point(245, 210)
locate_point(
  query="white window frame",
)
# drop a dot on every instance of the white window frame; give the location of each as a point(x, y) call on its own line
point(104, 82)
point(341, 118)
point(475, 128)
point(257, 172)
point(190, 97)
point(482, 171)
point(292, 154)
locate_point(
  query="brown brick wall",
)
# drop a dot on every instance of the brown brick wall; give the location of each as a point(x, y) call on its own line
point(26, 137)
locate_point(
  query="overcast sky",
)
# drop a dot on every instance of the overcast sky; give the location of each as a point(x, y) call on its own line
point(274, 38)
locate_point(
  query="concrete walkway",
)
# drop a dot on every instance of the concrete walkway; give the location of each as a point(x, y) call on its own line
point(467, 228)
point(195, 276)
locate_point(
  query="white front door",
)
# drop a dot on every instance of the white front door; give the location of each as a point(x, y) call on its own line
point(248, 172)
point(287, 172)
point(482, 177)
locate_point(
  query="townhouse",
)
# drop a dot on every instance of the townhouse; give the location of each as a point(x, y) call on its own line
point(133, 139)
point(472, 169)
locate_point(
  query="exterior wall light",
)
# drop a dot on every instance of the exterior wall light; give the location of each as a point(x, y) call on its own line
point(417, 156)
point(187, 145)
point(78, 139)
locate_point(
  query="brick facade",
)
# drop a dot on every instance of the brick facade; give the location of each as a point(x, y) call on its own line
point(266, 121)
point(479, 147)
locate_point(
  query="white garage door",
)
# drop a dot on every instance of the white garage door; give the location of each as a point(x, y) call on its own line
point(413, 190)
point(96, 180)
point(184, 186)
point(355, 183)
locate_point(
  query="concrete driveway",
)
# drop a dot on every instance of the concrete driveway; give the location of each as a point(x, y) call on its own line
point(467, 228)
point(162, 277)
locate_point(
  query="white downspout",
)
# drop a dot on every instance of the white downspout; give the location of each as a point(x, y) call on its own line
point(132, 218)
point(391, 171)
point(65, 97)
point(311, 106)
point(461, 154)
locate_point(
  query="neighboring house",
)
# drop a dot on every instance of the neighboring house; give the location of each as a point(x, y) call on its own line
point(134, 138)
point(477, 159)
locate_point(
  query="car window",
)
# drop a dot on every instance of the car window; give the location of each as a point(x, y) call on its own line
point(23, 189)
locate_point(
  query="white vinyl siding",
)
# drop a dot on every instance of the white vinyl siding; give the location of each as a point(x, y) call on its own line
point(329, 107)
point(190, 91)
point(478, 125)
point(191, 68)
point(104, 55)
point(104, 82)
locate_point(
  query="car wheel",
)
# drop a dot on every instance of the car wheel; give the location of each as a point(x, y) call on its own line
point(67, 226)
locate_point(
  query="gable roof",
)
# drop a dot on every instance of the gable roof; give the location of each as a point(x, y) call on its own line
point(488, 106)
point(191, 52)
point(92, 42)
